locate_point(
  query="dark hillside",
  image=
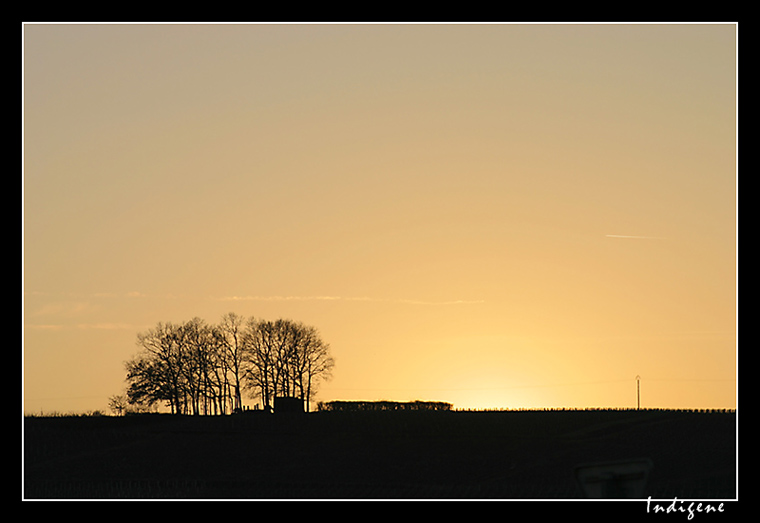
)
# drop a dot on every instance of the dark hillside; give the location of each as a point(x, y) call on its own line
point(369, 455)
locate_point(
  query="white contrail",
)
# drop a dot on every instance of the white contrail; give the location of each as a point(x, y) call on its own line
point(633, 237)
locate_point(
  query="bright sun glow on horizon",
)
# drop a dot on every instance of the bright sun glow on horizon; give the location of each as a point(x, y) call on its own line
point(498, 216)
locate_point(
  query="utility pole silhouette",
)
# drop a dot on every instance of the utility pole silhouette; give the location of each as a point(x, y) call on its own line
point(638, 392)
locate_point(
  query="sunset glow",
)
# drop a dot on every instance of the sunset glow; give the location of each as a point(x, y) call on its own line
point(498, 216)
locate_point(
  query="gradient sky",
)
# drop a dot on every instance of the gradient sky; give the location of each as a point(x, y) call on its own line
point(493, 215)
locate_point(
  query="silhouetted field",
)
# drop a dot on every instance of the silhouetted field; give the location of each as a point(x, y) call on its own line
point(374, 455)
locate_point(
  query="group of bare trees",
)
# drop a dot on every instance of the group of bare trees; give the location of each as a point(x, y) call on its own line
point(199, 368)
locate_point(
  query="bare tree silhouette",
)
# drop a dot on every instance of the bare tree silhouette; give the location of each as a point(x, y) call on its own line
point(285, 358)
point(231, 331)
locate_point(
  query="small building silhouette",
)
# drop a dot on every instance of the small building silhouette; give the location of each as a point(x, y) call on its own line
point(256, 410)
point(288, 405)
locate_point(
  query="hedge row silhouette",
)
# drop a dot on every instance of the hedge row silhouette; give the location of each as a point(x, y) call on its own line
point(357, 406)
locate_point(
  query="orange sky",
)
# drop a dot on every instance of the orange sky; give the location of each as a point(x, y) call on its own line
point(493, 215)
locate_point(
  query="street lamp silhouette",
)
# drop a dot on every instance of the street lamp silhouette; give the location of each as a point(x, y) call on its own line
point(638, 392)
